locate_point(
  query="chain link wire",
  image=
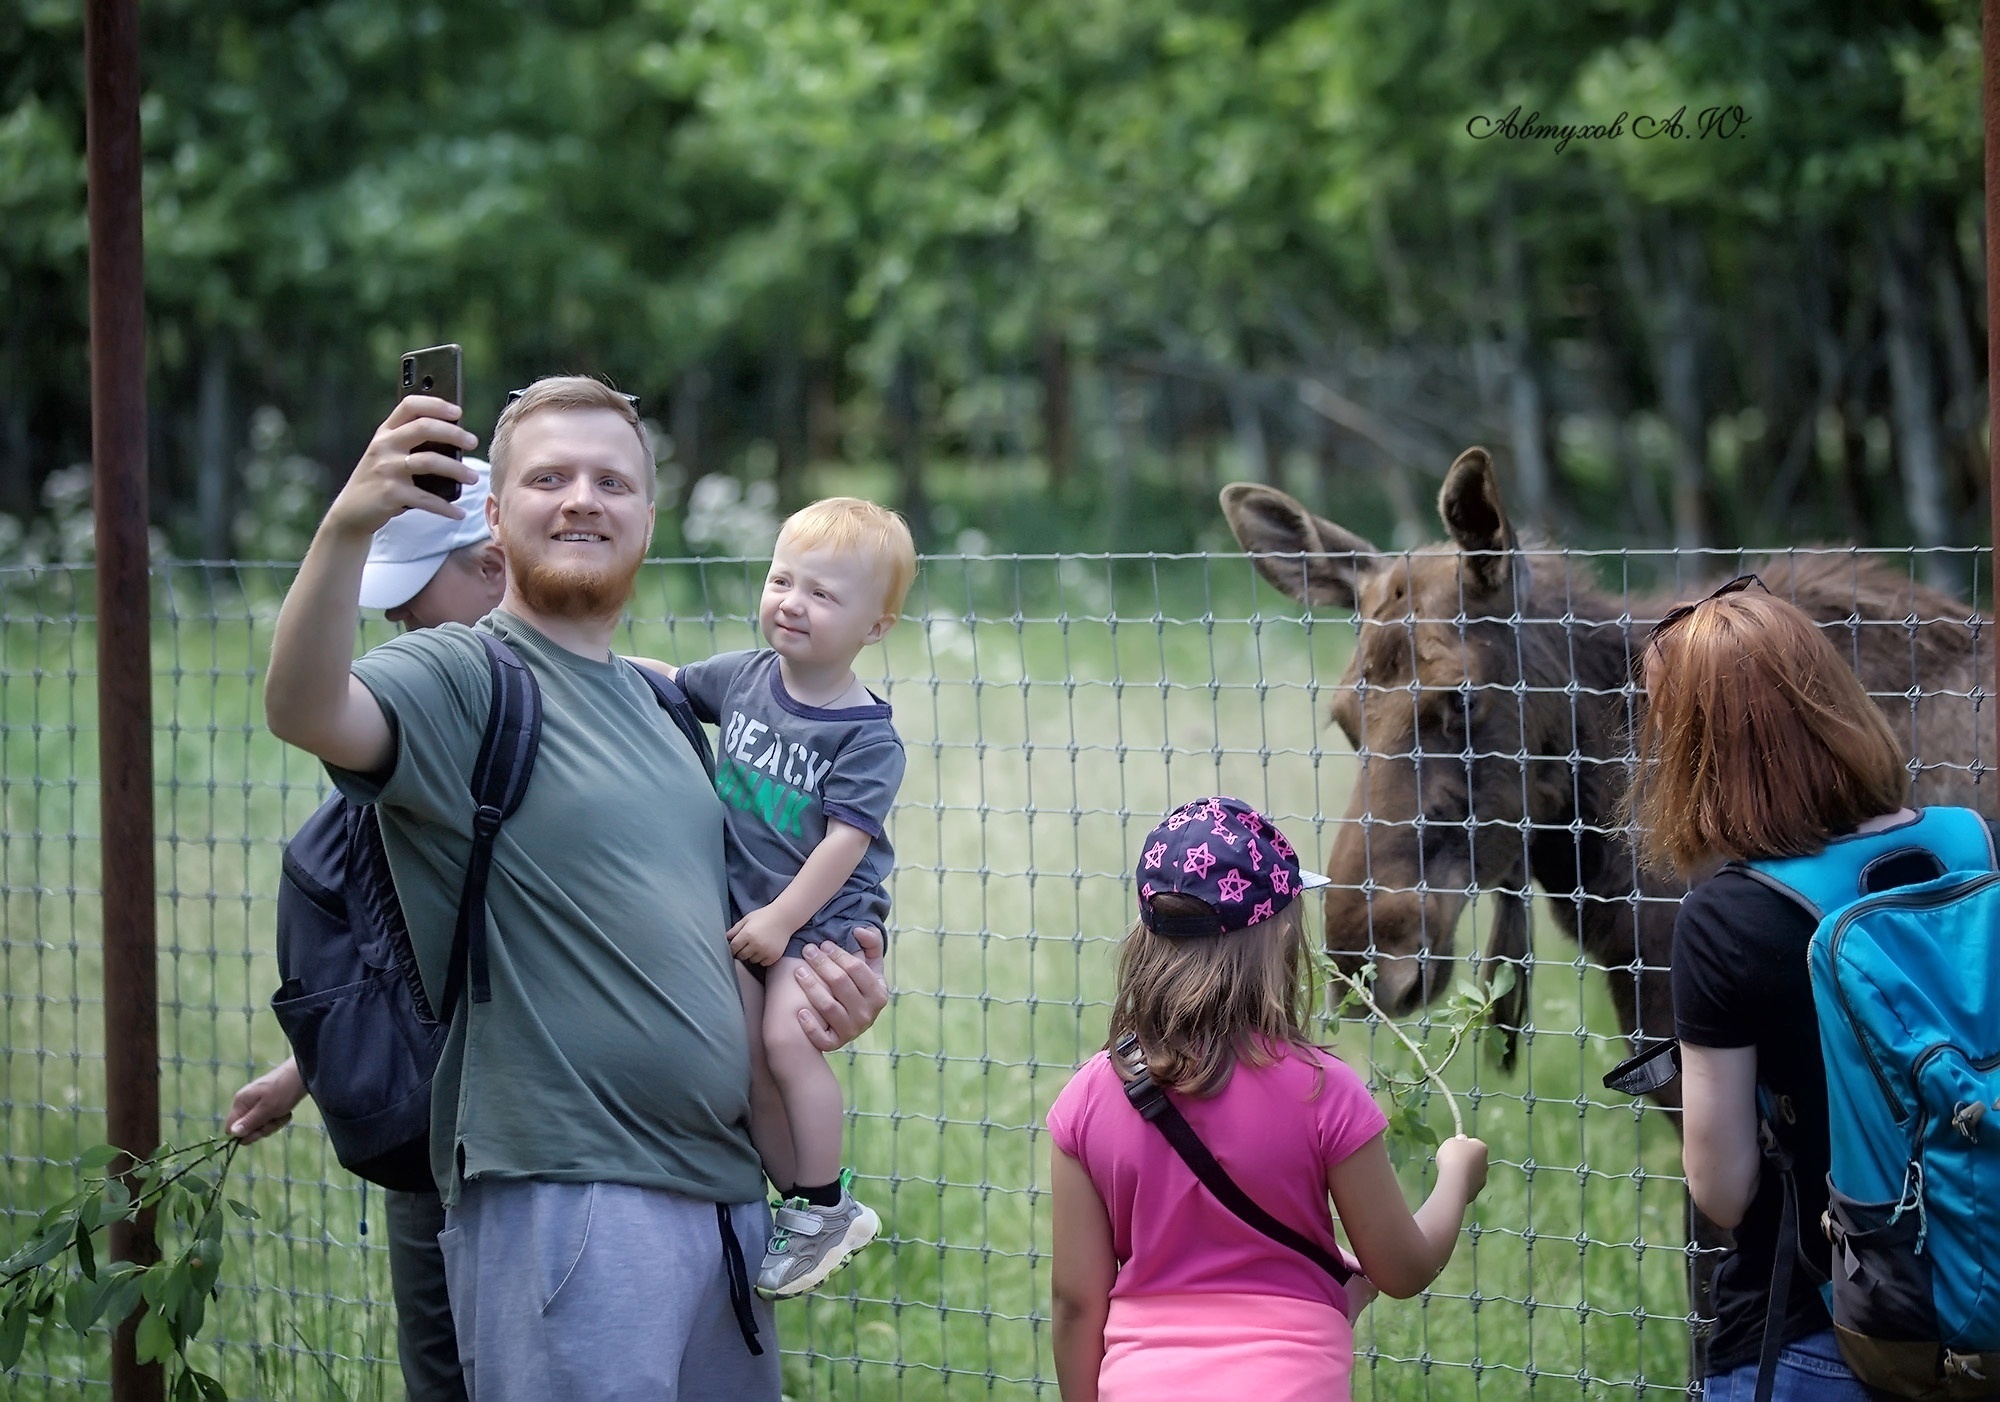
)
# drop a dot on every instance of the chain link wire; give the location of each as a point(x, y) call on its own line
point(1052, 708)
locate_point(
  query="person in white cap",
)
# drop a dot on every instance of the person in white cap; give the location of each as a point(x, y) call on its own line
point(422, 570)
point(425, 569)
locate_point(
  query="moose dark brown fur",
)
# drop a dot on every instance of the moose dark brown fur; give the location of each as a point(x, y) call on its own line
point(1489, 702)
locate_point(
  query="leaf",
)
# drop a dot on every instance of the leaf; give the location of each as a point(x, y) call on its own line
point(13, 1333)
point(43, 1248)
point(117, 1197)
point(99, 1156)
point(205, 1266)
point(77, 1302)
point(173, 1290)
point(211, 1389)
point(86, 1257)
point(154, 1342)
point(242, 1209)
point(120, 1295)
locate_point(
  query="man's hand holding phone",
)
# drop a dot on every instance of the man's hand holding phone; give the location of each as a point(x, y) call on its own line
point(383, 484)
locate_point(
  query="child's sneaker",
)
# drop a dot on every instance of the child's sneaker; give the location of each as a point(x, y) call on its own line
point(810, 1243)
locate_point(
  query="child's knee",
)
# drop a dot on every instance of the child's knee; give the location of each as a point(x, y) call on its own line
point(785, 1038)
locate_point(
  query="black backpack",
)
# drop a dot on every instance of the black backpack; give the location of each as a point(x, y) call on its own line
point(352, 1004)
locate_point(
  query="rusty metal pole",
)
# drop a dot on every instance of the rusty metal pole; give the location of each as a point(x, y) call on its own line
point(124, 643)
point(1990, 39)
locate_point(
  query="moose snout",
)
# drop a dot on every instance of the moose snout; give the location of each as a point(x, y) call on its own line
point(1407, 934)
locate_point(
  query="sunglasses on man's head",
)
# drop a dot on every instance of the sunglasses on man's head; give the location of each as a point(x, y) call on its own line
point(632, 399)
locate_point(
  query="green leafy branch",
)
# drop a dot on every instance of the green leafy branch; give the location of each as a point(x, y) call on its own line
point(55, 1279)
point(1469, 1008)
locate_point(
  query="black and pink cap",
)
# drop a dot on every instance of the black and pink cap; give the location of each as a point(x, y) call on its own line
point(1223, 852)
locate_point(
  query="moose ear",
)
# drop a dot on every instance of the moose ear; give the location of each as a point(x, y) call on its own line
point(1277, 532)
point(1477, 522)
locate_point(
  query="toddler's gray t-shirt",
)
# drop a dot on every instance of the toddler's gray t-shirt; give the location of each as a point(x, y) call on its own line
point(782, 769)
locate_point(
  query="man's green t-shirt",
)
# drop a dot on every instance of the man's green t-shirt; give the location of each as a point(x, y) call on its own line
point(614, 1048)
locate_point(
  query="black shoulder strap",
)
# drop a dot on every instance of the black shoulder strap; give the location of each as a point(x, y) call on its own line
point(1152, 1103)
point(499, 780)
point(1787, 1256)
point(675, 703)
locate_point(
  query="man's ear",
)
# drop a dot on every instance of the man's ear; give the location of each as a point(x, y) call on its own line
point(493, 516)
point(881, 629)
point(492, 560)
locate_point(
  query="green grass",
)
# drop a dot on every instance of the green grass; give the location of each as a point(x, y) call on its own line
point(1051, 712)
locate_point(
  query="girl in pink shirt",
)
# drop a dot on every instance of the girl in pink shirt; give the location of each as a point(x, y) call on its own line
point(1161, 1292)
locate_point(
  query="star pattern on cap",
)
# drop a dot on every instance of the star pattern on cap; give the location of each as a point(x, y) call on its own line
point(1155, 854)
point(1197, 861)
point(1232, 887)
point(1261, 911)
point(1281, 880)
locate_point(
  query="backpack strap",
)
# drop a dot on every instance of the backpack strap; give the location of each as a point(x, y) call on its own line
point(499, 781)
point(1787, 1255)
point(1861, 864)
point(675, 703)
point(1151, 1102)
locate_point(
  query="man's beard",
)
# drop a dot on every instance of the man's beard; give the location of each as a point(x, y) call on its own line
point(573, 591)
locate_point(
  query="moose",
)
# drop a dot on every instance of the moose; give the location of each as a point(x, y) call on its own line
point(1491, 702)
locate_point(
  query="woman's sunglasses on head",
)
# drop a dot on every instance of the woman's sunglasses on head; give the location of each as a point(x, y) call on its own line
point(1679, 613)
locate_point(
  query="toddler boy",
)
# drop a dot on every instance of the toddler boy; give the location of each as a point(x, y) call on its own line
point(808, 767)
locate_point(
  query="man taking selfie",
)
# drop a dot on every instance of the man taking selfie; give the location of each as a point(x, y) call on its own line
point(591, 1128)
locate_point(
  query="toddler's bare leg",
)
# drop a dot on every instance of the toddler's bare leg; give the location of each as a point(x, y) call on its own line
point(769, 1129)
point(810, 1090)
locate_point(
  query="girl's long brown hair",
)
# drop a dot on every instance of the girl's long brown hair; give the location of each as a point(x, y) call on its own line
point(1758, 739)
point(1199, 1005)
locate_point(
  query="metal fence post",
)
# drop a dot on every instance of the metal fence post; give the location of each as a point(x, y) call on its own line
point(124, 645)
point(1990, 40)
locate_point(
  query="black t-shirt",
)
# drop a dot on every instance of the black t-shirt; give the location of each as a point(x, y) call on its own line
point(1740, 980)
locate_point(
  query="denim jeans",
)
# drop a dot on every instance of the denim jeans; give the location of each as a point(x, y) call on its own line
point(1809, 1370)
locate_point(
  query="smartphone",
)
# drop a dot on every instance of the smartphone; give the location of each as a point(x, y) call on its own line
point(1646, 1072)
point(438, 371)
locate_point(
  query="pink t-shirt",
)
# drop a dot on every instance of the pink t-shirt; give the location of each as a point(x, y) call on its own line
point(1275, 1138)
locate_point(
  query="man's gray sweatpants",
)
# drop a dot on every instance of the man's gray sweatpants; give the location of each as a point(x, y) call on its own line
point(606, 1292)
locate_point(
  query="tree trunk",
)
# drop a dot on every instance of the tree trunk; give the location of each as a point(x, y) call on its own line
point(1965, 406)
point(1669, 309)
point(684, 426)
point(787, 424)
point(214, 478)
point(906, 435)
point(822, 412)
point(1680, 386)
point(1115, 476)
point(1058, 428)
point(1527, 410)
point(17, 466)
point(1246, 422)
point(1913, 390)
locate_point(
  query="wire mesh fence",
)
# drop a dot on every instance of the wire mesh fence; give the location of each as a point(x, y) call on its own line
point(1052, 708)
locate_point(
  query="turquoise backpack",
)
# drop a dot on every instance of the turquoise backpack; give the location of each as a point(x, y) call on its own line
point(1905, 964)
